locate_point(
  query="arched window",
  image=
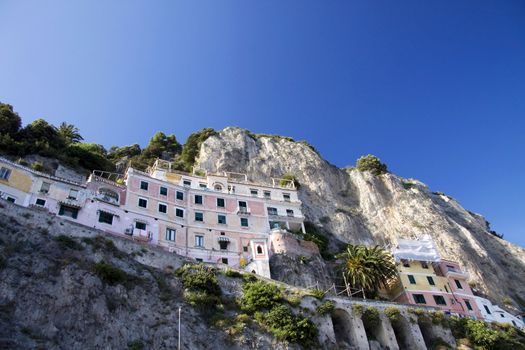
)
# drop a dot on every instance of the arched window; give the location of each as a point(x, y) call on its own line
point(218, 187)
point(259, 249)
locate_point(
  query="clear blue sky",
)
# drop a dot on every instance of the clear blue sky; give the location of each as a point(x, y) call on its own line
point(436, 89)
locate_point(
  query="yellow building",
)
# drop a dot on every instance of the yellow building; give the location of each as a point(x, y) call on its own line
point(15, 182)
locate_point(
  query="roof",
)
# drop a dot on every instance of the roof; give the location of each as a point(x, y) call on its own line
point(420, 249)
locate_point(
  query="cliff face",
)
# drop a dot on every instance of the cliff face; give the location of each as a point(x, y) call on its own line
point(359, 207)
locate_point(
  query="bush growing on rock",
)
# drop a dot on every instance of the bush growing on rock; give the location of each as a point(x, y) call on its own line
point(393, 314)
point(68, 242)
point(110, 274)
point(325, 308)
point(200, 278)
point(259, 296)
point(371, 164)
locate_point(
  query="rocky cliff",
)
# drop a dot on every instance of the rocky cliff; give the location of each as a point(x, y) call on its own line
point(362, 208)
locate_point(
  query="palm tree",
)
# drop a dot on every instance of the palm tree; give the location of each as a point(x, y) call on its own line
point(69, 133)
point(367, 268)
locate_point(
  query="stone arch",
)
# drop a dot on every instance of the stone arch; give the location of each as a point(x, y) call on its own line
point(407, 333)
point(426, 327)
point(342, 323)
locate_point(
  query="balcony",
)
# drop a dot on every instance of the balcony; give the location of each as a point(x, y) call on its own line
point(455, 273)
point(243, 211)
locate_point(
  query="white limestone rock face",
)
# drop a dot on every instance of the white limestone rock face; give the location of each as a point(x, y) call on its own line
point(362, 208)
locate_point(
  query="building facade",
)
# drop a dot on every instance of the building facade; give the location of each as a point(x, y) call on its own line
point(493, 313)
point(425, 279)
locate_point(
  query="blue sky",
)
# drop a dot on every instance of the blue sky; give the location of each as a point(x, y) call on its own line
point(436, 89)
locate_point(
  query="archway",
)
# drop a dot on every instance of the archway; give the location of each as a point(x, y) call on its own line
point(342, 324)
point(425, 325)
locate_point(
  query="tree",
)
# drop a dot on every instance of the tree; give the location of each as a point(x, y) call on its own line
point(372, 164)
point(10, 122)
point(367, 267)
point(42, 138)
point(191, 148)
point(69, 133)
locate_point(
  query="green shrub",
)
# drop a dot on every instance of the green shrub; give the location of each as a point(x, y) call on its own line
point(286, 179)
point(259, 296)
point(200, 278)
point(357, 309)
point(325, 308)
point(201, 300)
point(232, 273)
point(100, 242)
point(286, 326)
point(438, 344)
point(136, 345)
point(438, 317)
point(293, 300)
point(37, 166)
point(249, 277)
point(317, 293)
point(371, 317)
point(110, 274)
point(393, 314)
point(371, 164)
point(481, 335)
point(68, 242)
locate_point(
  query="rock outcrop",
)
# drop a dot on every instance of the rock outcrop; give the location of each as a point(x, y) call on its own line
point(362, 208)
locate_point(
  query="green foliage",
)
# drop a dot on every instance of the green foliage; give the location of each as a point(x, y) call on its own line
point(293, 300)
point(110, 274)
point(485, 336)
point(438, 317)
point(367, 267)
point(313, 234)
point(232, 273)
point(317, 293)
point(287, 179)
point(200, 278)
point(357, 309)
point(325, 308)
point(248, 277)
point(136, 345)
point(259, 295)
point(201, 299)
point(286, 326)
point(69, 133)
point(393, 314)
point(68, 242)
point(438, 344)
point(37, 166)
point(371, 164)
point(100, 242)
point(88, 156)
point(10, 121)
point(191, 148)
point(370, 317)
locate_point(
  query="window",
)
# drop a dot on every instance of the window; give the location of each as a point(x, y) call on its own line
point(218, 188)
point(224, 261)
point(144, 185)
point(40, 202)
point(424, 265)
point(289, 212)
point(501, 315)
point(244, 222)
point(11, 199)
point(245, 249)
point(487, 309)
point(405, 263)
point(73, 194)
point(259, 250)
point(220, 202)
point(170, 234)
point(199, 241)
point(163, 191)
point(45, 187)
point(411, 279)
point(254, 192)
point(68, 211)
point(198, 199)
point(286, 197)
point(140, 225)
point(431, 281)
point(143, 203)
point(458, 284)
point(467, 303)
point(223, 245)
point(163, 208)
point(267, 194)
point(186, 183)
point(105, 218)
point(419, 299)
point(5, 173)
point(179, 212)
point(221, 219)
point(199, 217)
point(180, 195)
point(242, 204)
point(439, 300)
point(272, 211)
point(203, 186)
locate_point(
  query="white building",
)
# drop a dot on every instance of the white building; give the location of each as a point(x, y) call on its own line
point(494, 313)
